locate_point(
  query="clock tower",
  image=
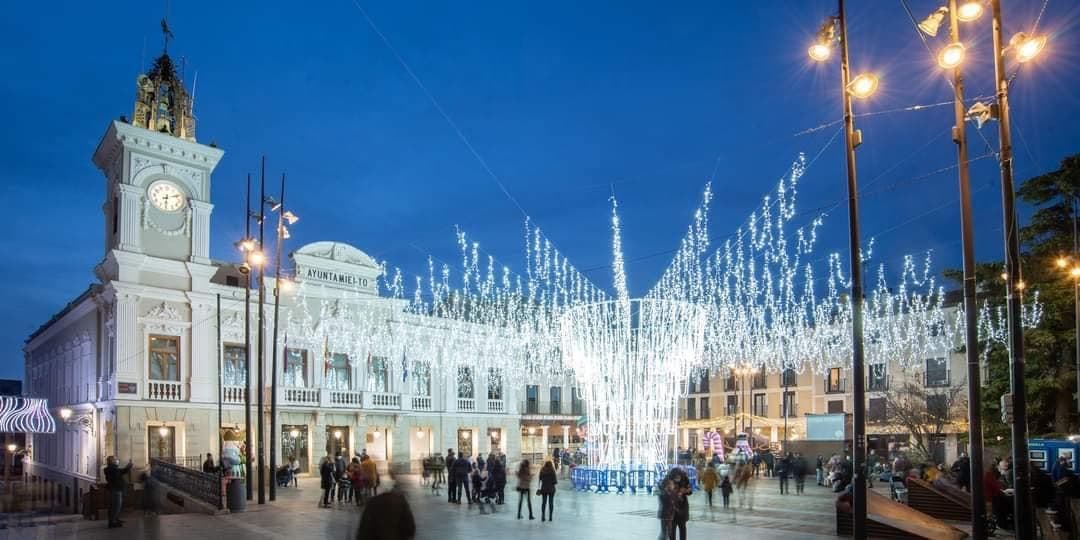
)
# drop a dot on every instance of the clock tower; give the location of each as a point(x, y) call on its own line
point(157, 177)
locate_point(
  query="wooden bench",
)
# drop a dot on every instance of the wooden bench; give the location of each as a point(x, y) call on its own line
point(929, 500)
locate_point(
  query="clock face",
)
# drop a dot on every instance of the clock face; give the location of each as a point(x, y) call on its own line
point(165, 196)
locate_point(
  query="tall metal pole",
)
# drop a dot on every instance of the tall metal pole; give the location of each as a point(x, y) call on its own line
point(247, 345)
point(221, 388)
point(274, 349)
point(852, 138)
point(1022, 508)
point(784, 404)
point(971, 341)
point(1076, 300)
point(259, 346)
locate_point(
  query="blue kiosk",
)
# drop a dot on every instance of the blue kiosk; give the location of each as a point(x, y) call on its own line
point(1045, 452)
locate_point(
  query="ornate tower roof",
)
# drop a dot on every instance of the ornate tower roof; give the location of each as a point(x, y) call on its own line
point(162, 103)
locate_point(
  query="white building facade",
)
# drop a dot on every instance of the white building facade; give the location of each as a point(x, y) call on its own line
point(138, 360)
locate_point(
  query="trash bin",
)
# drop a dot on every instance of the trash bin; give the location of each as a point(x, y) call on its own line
point(236, 496)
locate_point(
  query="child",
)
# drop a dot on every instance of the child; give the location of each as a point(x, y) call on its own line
point(477, 485)
point(725, 490)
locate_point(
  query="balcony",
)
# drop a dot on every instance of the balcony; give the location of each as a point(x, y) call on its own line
point(164, 390)
point(306, 397)
point(550, 408)
point(232, 395)
point(555, 407)
point(351, 399)
point(496, 405)
point(836, 386)
point(466, 404)
point(421, 403)
point(384, 401)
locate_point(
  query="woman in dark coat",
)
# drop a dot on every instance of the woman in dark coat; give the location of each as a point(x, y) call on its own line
point(497, 471)
point(326, 474)
point(547, 491)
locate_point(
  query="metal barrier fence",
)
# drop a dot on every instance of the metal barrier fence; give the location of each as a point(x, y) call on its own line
point(584, 478)
point(205, 487)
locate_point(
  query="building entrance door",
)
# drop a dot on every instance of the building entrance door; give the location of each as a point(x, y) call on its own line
point(337, 440)
point(465, 442)
point(294, 443)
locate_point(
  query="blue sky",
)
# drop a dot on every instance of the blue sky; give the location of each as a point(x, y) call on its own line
point(564, 101)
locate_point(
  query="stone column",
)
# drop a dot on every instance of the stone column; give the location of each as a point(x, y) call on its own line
point(200, 231)
point(203, 353)
point(130, 212)
point(565, 437)
point(127, 340)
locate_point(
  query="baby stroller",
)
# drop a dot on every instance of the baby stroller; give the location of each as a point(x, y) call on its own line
point(284, 476)
point(488, 492)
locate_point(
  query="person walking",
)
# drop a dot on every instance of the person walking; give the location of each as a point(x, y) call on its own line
point(962, 471)
point(326, 478)
point(497, 474)
point(709, 479)
point(114, 477)
point(524, 480)
point(819, 469)
point(666, 506)
point(208, 465)
point(371, 474)
point(725, 491)
point(798, 470)
point(387, 517)
point(548, 480)
point(681, 504)
point(461, 474)
point(783, 466)
point(451, 480)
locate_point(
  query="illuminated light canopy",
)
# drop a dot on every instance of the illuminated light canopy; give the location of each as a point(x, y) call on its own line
point(25, 415)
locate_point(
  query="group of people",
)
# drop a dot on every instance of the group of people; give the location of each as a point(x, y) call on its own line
point(354, 481)
point(483, 481)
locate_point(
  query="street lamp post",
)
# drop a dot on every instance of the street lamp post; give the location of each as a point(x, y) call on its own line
point(282, 233)
point(247, 245)
point(861, 86)
point(261, 421)
point(1025, 528)
point(951, 58)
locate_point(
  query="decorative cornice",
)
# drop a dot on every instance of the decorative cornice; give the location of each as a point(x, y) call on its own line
point(164, 312)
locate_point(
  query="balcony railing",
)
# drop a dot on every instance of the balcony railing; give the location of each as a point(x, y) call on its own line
point(938, 379)
point(421, 403)
point(346, 398)
point(466, 404)
point(836, 386)
point(232, 395)
point(531, 407)
point(165, 390)
point(385, 400)
point(205, 487)
point(496, 405)
point(878, 384)
point(555, 407)
point(300, 396)
point(730, 385)
point(577, 408)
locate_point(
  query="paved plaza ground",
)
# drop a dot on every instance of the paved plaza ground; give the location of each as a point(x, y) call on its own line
point(295, 515)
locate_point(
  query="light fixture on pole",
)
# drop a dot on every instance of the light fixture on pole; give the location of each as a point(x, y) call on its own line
point(1026, 47)
point(247, 245)
point(969, 11)
point(932, 22)
point(860, 87)
point(951, 56)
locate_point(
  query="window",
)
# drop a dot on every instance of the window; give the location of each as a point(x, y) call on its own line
point(877, 380)
point(165, 358)
point(691, 409)
point(760, 378)
point(789, 405)
point(234, 370)
point(296, 368)
point(704, 408)
point(421, 378)
point(162, 442)
point(937, 406)
point(339, 372)
point(789, 378)
point(465, 383)
point(576, 403)
point(556, 400)
point(378, 372)
point(836, 406)
point(760, 405)
point(937, 372)
point(532, 397)
point(495, 384)
point(875, 410)
point(732, 405)
point(834, 382)
point(703, 385)
point(731, 384)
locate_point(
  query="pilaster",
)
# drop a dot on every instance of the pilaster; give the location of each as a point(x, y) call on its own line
point(130, 209)
point(200, 231)
point(203, 357)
